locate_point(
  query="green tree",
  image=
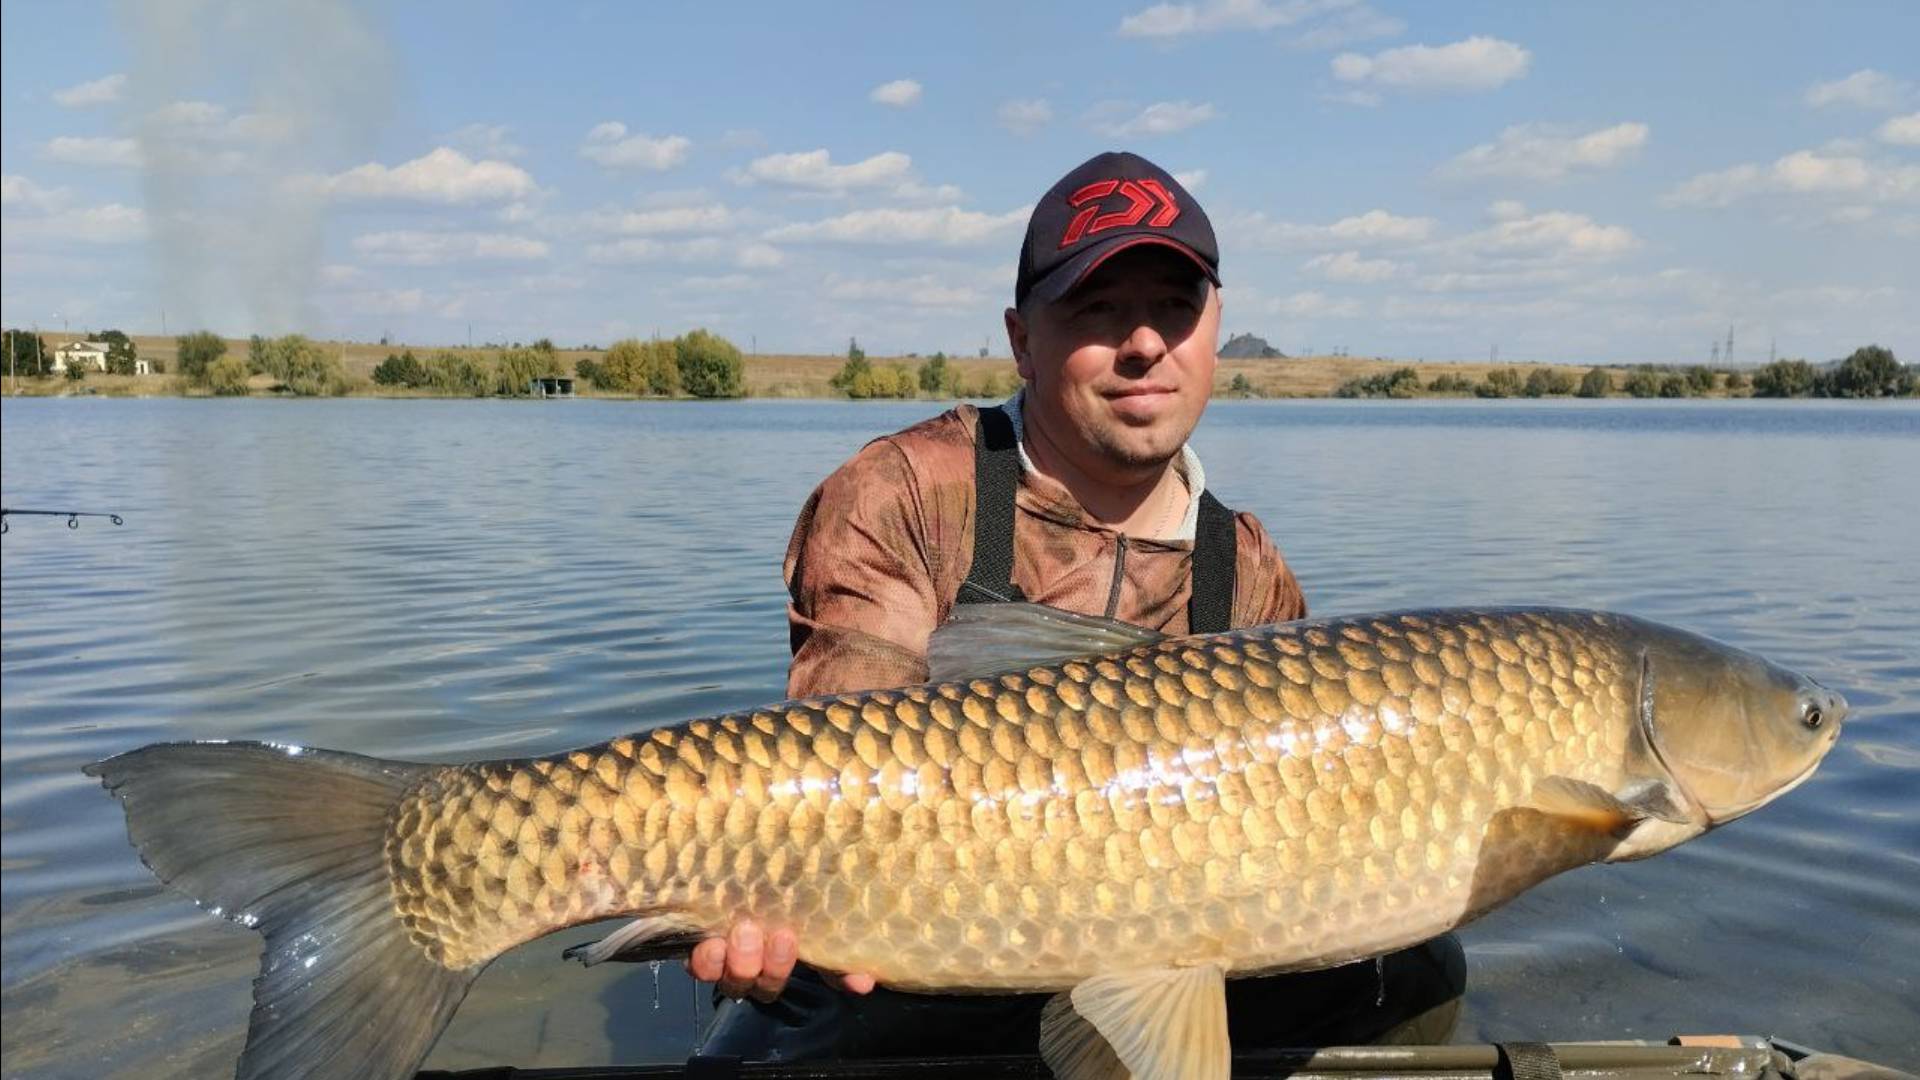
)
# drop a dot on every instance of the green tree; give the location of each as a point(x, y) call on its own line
point(934, 374)
point(855, 369)
point(76, 371)
point(197, 351)
point(659, 371)
point(1784, 378)
point(1675, 385)
point(1595, 383)
point(1643, 382)
point(1499, 383)
point(226, 375)
point(26, 354)
point(1545, 382)
point(1736, 381)
point(257, 355)
point(515, 369)
point(710, 365)
point(1449, 383)
point(402, 369)
point(121, 352)
point(1700, 380)
point(1869, 372)
point(588, 369)
point(458, 375)
point(1240, 387)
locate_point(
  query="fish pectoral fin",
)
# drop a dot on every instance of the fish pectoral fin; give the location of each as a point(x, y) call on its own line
point(1073, 1048)
point(986, 639)
point(1160, 1023)
point(650, 937)
point(1593, 806)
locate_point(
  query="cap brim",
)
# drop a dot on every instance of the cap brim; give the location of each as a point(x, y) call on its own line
point(1063, 278)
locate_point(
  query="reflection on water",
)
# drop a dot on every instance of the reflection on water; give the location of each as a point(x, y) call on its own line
point(443, 580)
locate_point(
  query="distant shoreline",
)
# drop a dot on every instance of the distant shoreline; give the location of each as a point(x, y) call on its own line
point(801, 377)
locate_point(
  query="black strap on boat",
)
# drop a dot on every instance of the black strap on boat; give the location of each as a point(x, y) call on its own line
point(996, 477)
point(1526, 1061)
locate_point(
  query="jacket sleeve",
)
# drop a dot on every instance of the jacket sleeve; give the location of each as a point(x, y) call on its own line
point(1264, 589)
point(862, 595)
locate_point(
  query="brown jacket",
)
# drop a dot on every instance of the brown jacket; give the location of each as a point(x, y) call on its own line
point(884, 543)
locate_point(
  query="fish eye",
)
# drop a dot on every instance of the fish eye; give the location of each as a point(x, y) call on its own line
point(1813, 718)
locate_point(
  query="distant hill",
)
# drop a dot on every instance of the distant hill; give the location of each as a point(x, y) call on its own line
point(1249, 347)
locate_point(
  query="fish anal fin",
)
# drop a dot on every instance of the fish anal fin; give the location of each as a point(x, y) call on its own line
point(649, 937)
point(1073, 1048)
point(1162, 1023)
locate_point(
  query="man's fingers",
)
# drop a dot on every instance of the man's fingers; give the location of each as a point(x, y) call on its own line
point(708, 961)
point(857, 982)
point(782, 949)
point(746, 955)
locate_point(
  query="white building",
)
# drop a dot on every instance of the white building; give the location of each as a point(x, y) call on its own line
point(90, 355)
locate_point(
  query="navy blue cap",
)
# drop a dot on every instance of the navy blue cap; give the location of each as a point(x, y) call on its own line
point(1110, 203)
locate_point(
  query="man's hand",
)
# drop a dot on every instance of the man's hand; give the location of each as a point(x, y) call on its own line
point(747, 963)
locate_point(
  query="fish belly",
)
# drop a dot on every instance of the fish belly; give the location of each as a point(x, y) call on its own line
point(1287, 797)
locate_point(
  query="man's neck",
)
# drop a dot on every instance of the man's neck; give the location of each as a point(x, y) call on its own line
point(1144, 500)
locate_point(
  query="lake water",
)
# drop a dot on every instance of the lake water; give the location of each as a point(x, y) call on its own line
point(446, 580)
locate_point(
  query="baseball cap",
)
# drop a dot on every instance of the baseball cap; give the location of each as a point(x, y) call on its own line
point(1107, 204)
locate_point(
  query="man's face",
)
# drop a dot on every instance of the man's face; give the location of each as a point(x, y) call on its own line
point(1121, 367)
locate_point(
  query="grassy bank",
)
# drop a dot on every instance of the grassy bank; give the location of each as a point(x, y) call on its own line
point(799, 376)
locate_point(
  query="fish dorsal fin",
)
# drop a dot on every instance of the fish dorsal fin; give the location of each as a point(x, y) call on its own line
point(1614, 812)
point(1161, 1023)
point(987, 639)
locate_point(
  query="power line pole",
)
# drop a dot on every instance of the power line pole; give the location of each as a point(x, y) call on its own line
point(1772, 353)
point(1729, 343)
point(1716, 353)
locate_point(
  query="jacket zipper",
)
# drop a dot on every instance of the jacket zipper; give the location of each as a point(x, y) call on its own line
point(1119, 565)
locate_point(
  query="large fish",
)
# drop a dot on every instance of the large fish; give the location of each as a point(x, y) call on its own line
point(1124, 817)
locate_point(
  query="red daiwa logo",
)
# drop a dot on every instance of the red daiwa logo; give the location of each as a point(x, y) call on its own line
point(1141, 196)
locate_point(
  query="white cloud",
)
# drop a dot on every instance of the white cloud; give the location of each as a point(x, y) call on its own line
point(1478, 63)
point(947, 226)
point(704, 218)
point(612, 145)
point(1118, 120)
point(1864, 89)
point(415, 247)
point(1349, 20)
point(1024, 117)
point(1375, 228)
point(94, 150)
point(1313, 304)
point(101, 91)
point(1349, 266)
point(1551, 234)
point(444, 175)
point(1191, 179)
point(1901, 130)
point(923, 291)
point(1493, 281)
point(483, 141)
point(17, 193)
point(814, 170)
point(900, 93)
point(1802, 173)
point(1537, 152)
point(705, 250)
point(112, 223)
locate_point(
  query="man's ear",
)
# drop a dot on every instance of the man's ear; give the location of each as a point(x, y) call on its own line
point(1017, 338)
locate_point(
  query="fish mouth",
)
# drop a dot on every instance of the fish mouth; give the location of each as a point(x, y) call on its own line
point(1721, 817)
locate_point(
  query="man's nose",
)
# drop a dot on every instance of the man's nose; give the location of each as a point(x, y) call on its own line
point(1144, 346)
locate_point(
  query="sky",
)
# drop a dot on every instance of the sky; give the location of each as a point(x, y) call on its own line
point(1617, 182)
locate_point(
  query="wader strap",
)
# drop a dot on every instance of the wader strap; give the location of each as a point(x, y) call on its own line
point(996, 476)
point(1526, 1061)
point(1210, 607)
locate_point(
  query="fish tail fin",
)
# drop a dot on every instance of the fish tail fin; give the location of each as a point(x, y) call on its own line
point(292, 842)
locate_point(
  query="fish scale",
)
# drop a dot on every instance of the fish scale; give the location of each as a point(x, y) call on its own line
point(1282, 798)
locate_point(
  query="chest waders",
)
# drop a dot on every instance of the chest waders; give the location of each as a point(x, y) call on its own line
point(996, 477)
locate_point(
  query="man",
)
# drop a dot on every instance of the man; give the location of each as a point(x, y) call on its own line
point(1080, 493)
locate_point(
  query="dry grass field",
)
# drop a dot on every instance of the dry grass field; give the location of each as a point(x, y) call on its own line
point(795, 376)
